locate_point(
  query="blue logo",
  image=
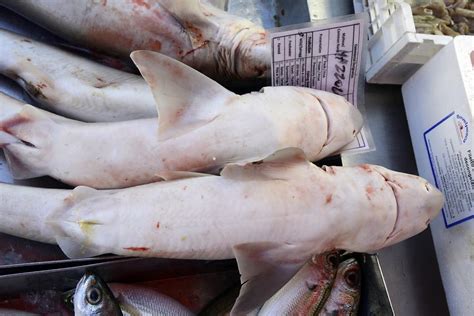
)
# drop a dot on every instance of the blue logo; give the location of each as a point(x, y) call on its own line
point(462, 126)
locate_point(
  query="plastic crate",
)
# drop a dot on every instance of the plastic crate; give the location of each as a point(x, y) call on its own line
point(396, 51)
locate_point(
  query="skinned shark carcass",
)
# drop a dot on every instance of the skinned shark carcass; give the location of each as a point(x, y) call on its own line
point(74, 86)
point(201, 127)
point(208, 39)
point(271, 216)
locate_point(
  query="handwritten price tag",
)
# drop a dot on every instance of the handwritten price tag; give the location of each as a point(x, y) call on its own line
point(325, 57)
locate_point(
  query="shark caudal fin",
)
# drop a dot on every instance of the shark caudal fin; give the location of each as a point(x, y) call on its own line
point(185, 98)
point(25, 137)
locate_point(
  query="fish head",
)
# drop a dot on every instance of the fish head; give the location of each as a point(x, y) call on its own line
point(418, 202)
point(93, 297)
point(349, 281)
point(344, 120)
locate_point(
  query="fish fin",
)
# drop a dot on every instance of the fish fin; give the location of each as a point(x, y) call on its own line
point(81, 193)
point(72, 247)
point(185, 98)
point(264, 268)
point(74, 250)
point(176, 175)
point(189, 10)
point(6, 139)
point(25, 138)
point(283, 164)
point(20, 158)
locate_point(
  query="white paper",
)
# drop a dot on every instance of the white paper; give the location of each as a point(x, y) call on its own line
point(326, 58)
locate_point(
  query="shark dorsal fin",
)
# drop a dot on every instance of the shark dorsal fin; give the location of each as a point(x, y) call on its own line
point(184, 97)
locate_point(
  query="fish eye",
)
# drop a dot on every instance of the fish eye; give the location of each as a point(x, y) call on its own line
point(352, 278)
point(333, 260)
point(311, 286)
point(94, 296)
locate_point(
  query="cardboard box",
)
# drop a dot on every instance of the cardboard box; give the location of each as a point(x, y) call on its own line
point(439, 103)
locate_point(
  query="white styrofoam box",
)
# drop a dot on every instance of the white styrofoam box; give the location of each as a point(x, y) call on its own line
point(439, 103)
point(396, 51)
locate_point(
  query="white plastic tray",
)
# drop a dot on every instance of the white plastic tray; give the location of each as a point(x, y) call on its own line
point(396, 51)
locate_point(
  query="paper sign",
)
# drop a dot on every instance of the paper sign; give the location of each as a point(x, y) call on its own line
point(326, 58)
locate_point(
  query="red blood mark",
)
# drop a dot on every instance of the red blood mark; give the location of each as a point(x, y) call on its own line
point(328, 198)
point(196, 31)
point(366, 167)
point(154, 45)
point(369, 190)
point(158, 225)
point(137, 248)
point(142, 3)
point(195, 49)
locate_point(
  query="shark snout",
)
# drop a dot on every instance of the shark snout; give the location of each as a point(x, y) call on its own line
point(418, 203)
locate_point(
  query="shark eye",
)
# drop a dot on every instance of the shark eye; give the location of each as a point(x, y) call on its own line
point(427, 187)
point(94, 296)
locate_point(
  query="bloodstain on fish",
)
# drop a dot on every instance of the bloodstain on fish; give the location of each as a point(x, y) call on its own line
point(154, 45)
point(137, 248)
point(369, 190)
point(158, 225)
point(141, 3)
point(366, 168)
point(328, 198)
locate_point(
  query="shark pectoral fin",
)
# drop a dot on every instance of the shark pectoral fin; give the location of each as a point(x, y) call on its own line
point(264, 268)
point(74, 249)
point(176, 175)
point(284, 164)
point(184, 10)
point(25, 136)
point(185, 98)
point(82, 192)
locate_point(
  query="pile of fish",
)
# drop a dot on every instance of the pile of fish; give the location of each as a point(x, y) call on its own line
point(448, 17)
point(328, 284)
point(215, 176)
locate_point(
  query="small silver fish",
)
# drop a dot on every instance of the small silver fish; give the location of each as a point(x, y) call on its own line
point(93, 297)
point(345, 294)
point(307, 291)
point(138, 301)
point(134, 301)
